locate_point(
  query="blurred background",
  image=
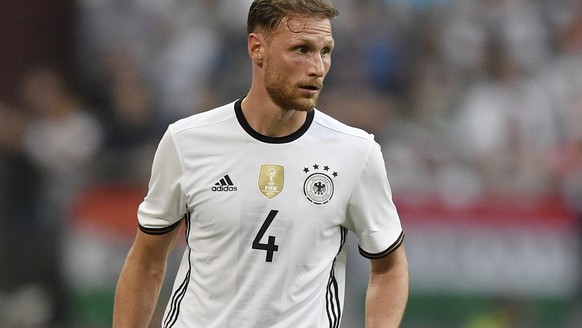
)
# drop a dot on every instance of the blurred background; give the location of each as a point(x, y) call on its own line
point(477, 105)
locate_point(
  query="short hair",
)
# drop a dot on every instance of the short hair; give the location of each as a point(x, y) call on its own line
point(265, 15)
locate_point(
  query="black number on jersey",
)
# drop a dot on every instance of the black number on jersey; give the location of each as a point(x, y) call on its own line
point(270, 246)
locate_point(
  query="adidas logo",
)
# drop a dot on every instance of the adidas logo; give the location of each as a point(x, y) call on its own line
point(225, 184)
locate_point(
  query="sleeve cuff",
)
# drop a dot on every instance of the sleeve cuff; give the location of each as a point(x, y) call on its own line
point(389, 250)
point(159, 231)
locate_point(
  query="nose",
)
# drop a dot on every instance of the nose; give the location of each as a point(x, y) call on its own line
point(318, 65)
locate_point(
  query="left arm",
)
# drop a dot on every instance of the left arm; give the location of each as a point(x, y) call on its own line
point(387, 292)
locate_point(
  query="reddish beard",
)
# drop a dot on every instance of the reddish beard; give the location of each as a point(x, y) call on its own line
point(284, 94)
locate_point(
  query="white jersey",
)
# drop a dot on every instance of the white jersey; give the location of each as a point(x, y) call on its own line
point(266, 218)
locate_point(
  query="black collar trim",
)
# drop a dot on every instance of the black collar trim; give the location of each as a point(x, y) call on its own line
point(274, 140)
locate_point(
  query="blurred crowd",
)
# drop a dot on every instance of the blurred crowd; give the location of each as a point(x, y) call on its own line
point(467, 98)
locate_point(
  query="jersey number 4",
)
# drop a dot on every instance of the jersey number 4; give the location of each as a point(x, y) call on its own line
point(270, 247)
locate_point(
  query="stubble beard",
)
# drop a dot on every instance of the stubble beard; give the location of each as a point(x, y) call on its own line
point(284, 95)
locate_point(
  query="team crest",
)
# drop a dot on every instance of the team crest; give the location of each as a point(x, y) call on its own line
point(318, 186)
point(271, 180)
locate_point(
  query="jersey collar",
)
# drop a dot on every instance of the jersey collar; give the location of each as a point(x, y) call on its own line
point(274, 140)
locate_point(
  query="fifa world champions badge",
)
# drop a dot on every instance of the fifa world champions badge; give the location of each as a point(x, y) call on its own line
point(271, 180)
point(318, 186)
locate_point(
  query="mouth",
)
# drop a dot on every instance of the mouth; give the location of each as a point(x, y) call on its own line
point(311, 87)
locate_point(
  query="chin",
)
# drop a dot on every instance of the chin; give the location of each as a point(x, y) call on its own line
point(306, 105)
point(294, 101)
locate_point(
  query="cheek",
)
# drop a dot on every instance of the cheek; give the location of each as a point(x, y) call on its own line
point(282, 64)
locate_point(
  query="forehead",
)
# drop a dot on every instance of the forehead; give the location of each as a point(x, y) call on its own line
point(304, 27)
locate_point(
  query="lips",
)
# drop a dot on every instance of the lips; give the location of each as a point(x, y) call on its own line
point(312, 87)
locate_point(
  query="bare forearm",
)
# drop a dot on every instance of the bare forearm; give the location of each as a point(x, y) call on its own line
point(137, 294)
point(141, 279)
point(387, 295)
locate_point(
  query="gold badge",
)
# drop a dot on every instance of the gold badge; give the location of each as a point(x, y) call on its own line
point(271, 180)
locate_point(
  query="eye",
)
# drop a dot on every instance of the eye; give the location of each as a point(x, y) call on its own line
point(302, 49)
point(326, 51)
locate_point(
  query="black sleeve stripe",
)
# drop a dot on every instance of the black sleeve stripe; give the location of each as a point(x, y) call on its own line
point(389, 250)
point(160, 231)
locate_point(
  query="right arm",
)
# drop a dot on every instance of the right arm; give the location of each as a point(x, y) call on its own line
point(141, 279)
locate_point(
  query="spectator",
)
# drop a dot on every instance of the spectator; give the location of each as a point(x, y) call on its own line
point(18, 229)
point(506, 127)
point(60, 142)
point(131, 126)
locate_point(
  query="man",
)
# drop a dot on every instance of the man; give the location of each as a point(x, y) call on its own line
point(268, 188)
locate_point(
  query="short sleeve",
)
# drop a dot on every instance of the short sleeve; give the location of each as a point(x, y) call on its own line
point(371, 212)
point(165, 202)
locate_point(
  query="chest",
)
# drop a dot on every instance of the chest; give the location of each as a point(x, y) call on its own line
point(267, 197)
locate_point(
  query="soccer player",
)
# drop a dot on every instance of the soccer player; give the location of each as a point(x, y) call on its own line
point(267, 188)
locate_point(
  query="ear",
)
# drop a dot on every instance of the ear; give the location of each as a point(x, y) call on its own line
point(256, 47)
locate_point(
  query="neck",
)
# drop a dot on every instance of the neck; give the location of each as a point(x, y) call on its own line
point(287, 116)
point(269, 119)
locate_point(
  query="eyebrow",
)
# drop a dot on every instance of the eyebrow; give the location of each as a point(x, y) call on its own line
point(326, 41)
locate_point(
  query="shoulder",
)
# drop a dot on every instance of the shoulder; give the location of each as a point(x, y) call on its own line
point(332, 125)
point(204, 119)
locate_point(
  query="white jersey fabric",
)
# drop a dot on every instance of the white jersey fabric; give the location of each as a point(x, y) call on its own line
point(266, 218)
